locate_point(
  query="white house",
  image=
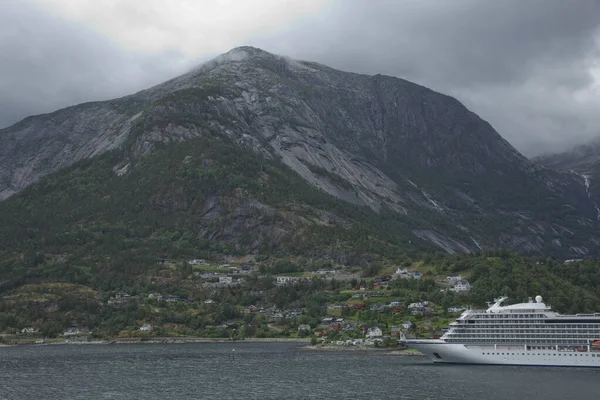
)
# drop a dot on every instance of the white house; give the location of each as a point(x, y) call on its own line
point(401, 271)
point(146, 328)
point(281, 280)
point(455, 309)
point(407, 324)
point(303, 328)
point(573, 260)
point(374, 332)
point(324, 272)
point(461, 286)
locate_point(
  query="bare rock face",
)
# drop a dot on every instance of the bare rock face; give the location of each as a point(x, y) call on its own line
point(375, 141)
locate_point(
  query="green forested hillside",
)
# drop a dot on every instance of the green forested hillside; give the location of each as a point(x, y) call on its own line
point(75, 240)
point(203, 198)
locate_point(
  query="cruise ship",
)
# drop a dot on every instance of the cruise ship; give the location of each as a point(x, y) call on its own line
point(519, 334)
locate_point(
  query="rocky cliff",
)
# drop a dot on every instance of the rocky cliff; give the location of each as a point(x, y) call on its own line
point(374, 141)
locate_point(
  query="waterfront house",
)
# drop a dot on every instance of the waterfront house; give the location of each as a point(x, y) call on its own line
point(407, 324)
point(374, 332)
point(146, 328)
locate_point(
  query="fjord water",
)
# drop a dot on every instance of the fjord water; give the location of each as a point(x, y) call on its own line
point(267, 371)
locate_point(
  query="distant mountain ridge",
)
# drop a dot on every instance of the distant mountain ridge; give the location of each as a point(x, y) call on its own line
point(374, 141)
point(580, 158)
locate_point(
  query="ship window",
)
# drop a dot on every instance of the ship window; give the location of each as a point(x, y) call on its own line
point(437, 355)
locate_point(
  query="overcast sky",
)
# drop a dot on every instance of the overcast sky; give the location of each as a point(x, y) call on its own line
point(530, 67)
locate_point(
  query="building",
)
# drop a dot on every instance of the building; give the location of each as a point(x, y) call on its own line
point(146, 328)
point(225, 280)
point(461, 286)
point(304, 328)
point(282, 280)
point(374, 332)
point(324, 272)
point(407, 324)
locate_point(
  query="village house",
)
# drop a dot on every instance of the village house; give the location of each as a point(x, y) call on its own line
point(122, 295)
point(171, 298)
point(146, 328)
point(407, 325)
point(383, 278)
point(75, 331)
point(456, 309)
point(252, 309)
point(416, 275)
point(395, 330)
point(420, 308)
point(304, 328)
point(453, 278)
point(225, 280)
point(209, 301)
point(374, 332)
point(573, 260)
point(395, 303)
point(282, 280)
point(401, 271)
point(324, 272)
point(28, 331)
point(197, 262)
point(461, 286)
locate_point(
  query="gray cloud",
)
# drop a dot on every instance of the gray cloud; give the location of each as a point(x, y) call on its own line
point(516, 63)
point(48, 63)
point(522, 65)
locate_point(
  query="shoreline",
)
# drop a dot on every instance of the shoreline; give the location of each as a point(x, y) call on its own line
point(156, 340)
point(304, 344)
point(381, 351)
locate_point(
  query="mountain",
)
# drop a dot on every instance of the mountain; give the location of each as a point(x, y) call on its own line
point(582, 158)
point(583, 161)
point(413, 160)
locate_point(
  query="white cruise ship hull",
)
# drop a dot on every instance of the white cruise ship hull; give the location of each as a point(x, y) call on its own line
point(455, 353)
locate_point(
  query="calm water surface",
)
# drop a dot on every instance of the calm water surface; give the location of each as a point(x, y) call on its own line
point(268, 371)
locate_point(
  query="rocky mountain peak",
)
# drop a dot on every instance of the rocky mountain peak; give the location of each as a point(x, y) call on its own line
point(374, 141)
